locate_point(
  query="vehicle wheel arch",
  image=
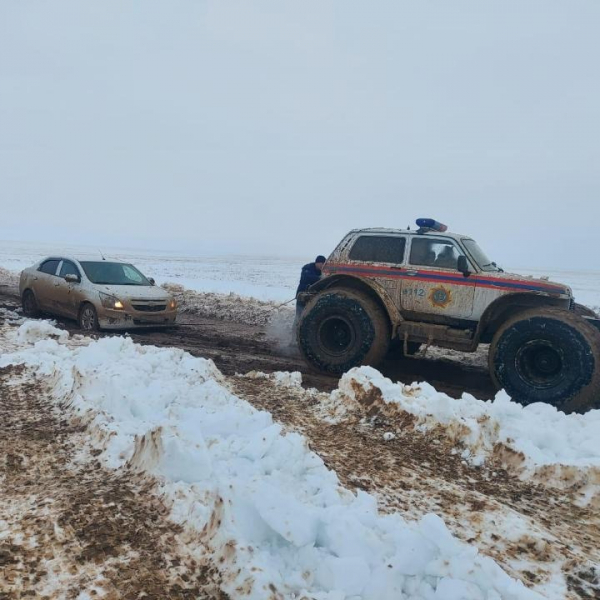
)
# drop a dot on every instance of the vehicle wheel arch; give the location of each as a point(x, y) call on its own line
point(507, 306)
point(369, 287)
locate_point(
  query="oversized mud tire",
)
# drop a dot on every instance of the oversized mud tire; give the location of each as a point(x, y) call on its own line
point(341, 329)
point(29, 304)
point(548, 355)
point(88, 318)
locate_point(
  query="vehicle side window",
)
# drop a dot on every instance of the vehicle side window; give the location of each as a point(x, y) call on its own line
point(379, 248)
point(439, 254)
point(49, 267)
point(68, 268)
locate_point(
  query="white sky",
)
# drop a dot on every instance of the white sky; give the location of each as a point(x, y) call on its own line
point(276, 127)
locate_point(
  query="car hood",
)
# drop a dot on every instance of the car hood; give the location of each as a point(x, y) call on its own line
point(134, 292)
point(534, 283)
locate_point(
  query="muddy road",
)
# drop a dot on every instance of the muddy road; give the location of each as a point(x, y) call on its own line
point(241, 347)
point(70, 526)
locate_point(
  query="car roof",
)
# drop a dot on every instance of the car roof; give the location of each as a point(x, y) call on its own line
point(388, 230)
point(82, 258)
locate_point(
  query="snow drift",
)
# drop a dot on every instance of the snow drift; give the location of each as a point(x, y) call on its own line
point(265, 508)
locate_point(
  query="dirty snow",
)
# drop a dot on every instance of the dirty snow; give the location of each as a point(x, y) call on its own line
point(263, 505)
point(538, 441)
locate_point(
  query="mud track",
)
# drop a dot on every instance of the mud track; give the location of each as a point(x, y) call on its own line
point(241, 348)
point(70, 526)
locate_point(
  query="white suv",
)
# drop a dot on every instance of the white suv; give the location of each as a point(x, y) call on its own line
point(429, 286)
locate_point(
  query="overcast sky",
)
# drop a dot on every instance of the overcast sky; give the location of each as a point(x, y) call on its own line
point(275, 127)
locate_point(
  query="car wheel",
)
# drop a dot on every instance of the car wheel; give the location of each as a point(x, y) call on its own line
point(29, 304)
point(548, 355)
point(341, 329)
point(88, 318)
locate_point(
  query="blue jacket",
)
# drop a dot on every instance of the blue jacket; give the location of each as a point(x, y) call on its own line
point(310, 274)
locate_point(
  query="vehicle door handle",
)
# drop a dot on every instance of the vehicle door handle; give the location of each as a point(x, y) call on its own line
point(56, 284)
point(396, 268)
point(412, 272)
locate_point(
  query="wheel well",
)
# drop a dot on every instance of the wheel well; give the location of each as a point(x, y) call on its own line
point(369, 288)
point(507, 306)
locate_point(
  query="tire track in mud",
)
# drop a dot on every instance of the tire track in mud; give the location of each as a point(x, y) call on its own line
point(70, 528)
point(530, 530)
point(242, 347)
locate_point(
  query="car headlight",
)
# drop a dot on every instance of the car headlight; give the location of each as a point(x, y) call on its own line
point(172, 303)
point(109, 301)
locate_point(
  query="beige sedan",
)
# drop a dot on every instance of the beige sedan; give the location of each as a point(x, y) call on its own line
point(99, 294)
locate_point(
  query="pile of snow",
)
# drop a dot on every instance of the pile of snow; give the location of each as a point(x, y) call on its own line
point(265, 508)
point(536, 441)
point(227, 307)
point(8, 278)
point(282, 378)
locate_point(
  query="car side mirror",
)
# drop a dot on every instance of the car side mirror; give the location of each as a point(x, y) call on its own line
point(151, 280)
point(463, 265)
point(71, 278)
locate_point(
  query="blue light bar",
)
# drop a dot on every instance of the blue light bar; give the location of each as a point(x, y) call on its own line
point(431, 224)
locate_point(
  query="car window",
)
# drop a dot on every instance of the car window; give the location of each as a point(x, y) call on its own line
point(440, 254)
point(133, 275)
point(49, 267)
point(68, 268)
point(103, 272)
point(379, 248)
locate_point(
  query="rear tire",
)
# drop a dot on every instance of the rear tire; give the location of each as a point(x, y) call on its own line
point(548, 355)
point(88, 318)
point(341, 329)
point(29, 304)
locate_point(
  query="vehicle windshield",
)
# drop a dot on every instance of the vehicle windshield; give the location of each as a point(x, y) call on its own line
point(485, 264)
point(111, 273)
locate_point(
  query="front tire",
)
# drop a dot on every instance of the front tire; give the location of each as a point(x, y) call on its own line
point(88, 318)
point(548, 355)
point(341, 329)
point(29, 304)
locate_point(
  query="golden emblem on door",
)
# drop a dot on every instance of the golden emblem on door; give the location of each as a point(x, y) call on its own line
point(440, 296)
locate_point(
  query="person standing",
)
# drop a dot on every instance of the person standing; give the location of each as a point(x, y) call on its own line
point(310, 274)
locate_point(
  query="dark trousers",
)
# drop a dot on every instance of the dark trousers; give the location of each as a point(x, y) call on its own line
point(299, 308)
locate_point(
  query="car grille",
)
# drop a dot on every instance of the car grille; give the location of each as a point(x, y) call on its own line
point(149, 307)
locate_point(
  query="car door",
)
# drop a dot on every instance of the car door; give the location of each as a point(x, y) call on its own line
point(433, 284)
point(380, 257)
point(43, 283)
point(67, 295)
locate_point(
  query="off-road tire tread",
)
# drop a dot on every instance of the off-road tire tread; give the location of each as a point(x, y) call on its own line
point(380, 322)
point(587, 397)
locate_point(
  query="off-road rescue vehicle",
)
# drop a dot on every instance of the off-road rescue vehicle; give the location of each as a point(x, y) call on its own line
point(412, 289)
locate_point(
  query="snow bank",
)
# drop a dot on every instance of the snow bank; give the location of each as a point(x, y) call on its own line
point(267, 510)
point(227, 307)
point(537, 441)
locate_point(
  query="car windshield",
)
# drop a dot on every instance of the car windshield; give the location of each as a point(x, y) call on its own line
point(111, 273)
point(480, 256)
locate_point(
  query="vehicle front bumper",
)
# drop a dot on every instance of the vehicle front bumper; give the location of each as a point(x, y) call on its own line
point(109, 318)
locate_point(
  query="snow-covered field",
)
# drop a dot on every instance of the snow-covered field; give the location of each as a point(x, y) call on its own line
point(262, 277)
point(265, 508)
